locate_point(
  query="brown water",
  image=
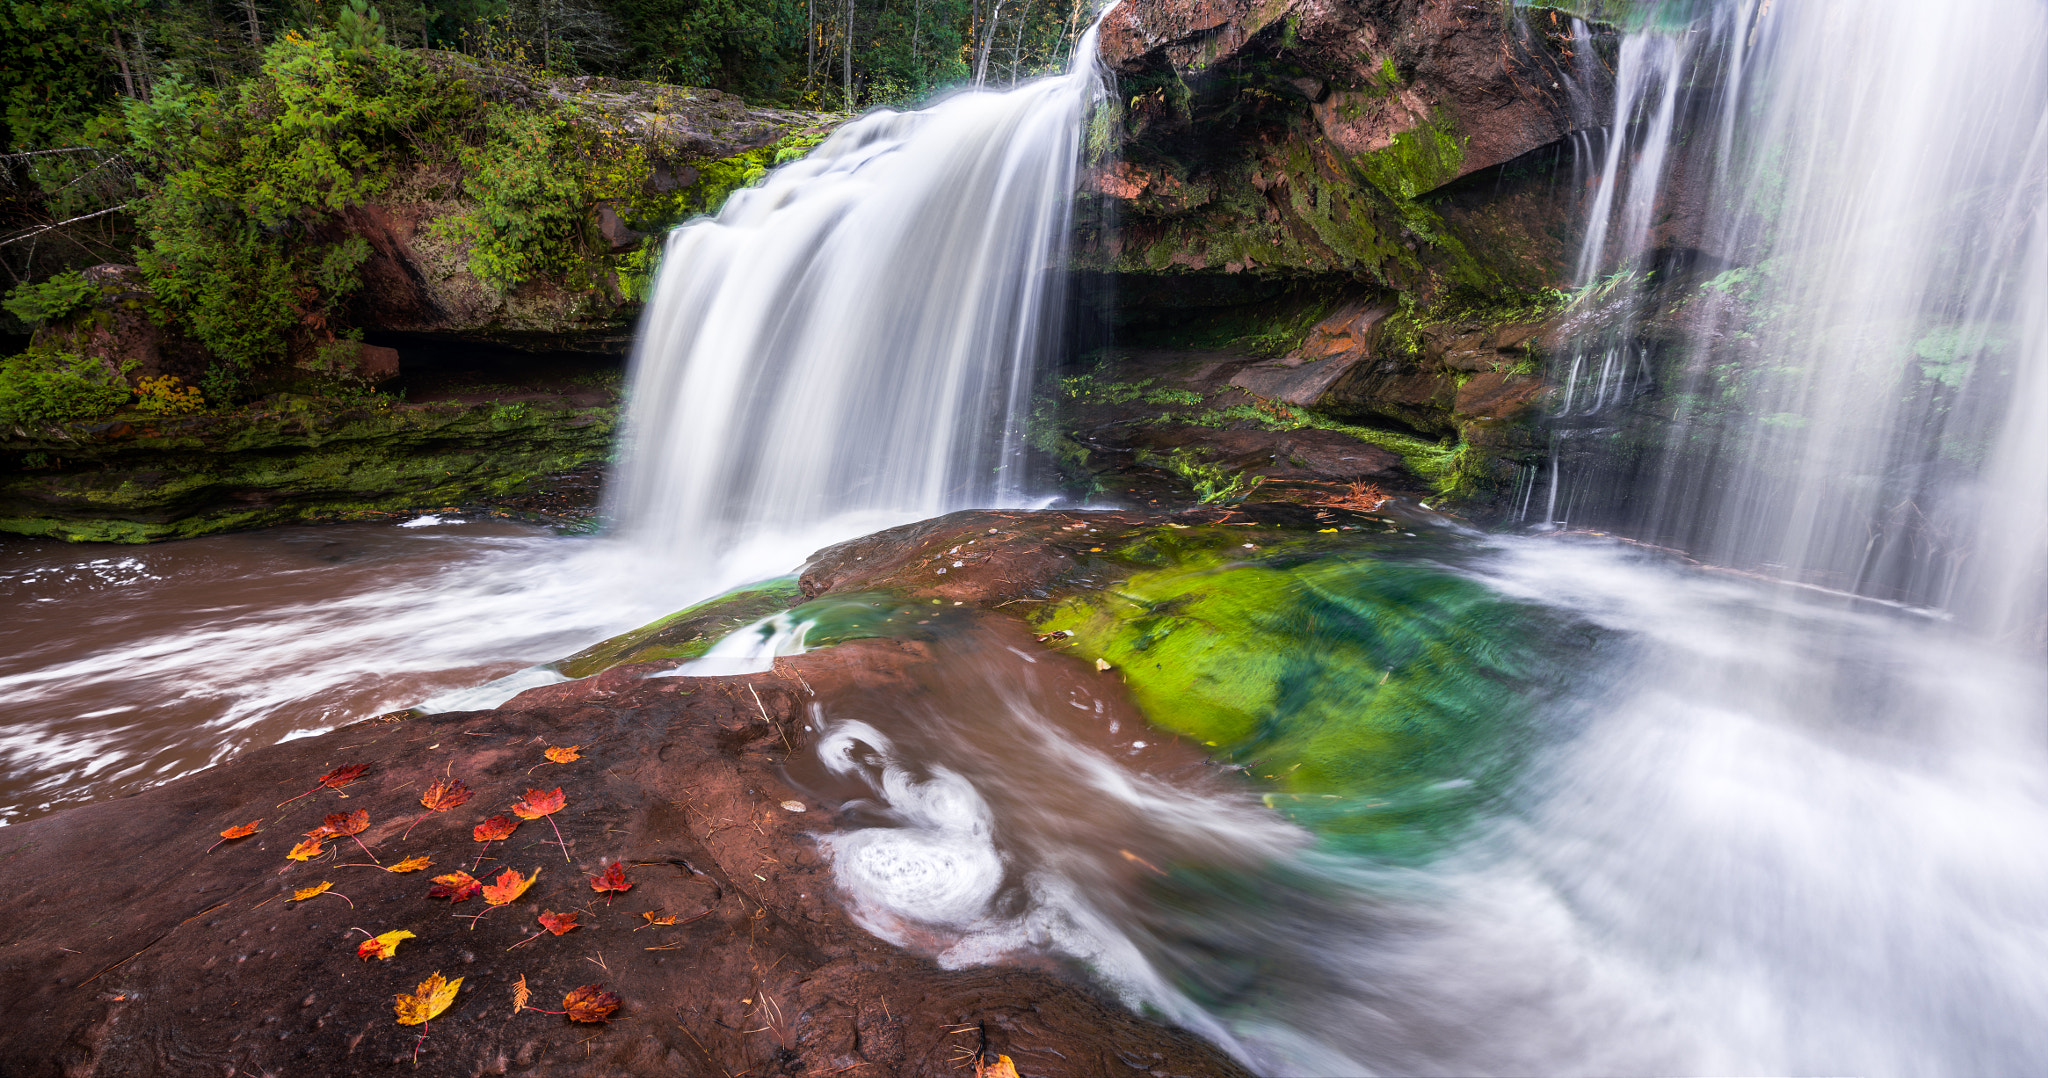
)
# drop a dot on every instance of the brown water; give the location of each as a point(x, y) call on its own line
point(122, 667)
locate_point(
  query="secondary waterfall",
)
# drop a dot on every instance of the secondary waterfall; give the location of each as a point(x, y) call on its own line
point(1855, 396)
point(855, 338)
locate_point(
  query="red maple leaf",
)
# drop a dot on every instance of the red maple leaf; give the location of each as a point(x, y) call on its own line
point(612, 882)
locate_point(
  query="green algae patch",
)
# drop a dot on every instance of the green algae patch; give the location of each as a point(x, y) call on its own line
point(1384, 704)
point(687, 633)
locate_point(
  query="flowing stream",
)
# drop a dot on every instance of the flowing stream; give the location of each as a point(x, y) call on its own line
point(1783, 814)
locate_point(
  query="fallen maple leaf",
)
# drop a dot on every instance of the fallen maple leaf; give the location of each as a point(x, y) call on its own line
point(1001, 1068)
point(563, 756)
point(495, 828)
point(307, 850)
point(335, 779)
point(508, 886)
point(345, 825)
point(590, 1003)
point(435, 994)
point(489, 831)
point(520, 994)
point(457, 886)
point(305, 893)
point(613, 881)
point(656, 920)
point(411, 864)
point(383, 946)
point(244, 831)
point(558, 923)
point(537, 804)
point(443, 795)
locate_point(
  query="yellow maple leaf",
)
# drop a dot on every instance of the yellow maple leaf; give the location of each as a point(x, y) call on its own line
point(308, 892)
point(1001, 1068)
point(307, 850)
point(435, 994)
point(411, 864)
point(561, 755)
point(383, 946)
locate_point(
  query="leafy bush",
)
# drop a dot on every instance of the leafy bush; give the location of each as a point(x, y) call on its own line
point(50, 300)
point(168, 395)
point(240, 181)
point(48, 386)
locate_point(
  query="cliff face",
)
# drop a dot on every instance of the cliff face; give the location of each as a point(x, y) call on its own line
point(1321, 137)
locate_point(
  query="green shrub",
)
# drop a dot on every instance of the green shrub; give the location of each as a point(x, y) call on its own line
point(51, 299)
point(48, 386)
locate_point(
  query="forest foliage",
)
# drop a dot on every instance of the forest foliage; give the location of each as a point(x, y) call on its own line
point(219, 145)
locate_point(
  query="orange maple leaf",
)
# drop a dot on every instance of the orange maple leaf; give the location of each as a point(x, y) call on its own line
point(309, 892)
point(656, 920)
point(411, 864)
point(1001, 1068)
point(563, 756)
point(495, 828)
point(383, 946)
point(335, 779)
point(443, 795)
point(341, 824)
point(590, 1003)
point(307, 850)
point(613, 881)
point(508, 886)
point(558, 923)
point(456, 886)
point(537, 804)
point(243, 831)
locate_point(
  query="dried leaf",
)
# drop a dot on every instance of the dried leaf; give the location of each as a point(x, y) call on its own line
point(508, 886)
point(243, 831)
point(655, 919)
point(520, 994)
point(455, 887)
point(495, 828)
point(537, 804)
point(435, 994)
point(307, 850)
point(444, 795)
point(558, 923)
point(563, 756)
point(614, 879)
point(590, 1003)
point(1001, 1068)
point(411, 864)
point(343, 775)
point(383, 946)
point(305, 893)
point(342, 824)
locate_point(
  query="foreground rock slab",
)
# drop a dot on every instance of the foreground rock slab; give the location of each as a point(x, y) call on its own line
point(128, 949)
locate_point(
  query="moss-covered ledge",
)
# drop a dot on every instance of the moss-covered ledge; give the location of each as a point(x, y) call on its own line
point(136, 478)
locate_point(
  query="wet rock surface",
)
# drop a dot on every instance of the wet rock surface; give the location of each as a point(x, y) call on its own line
point(129, 949)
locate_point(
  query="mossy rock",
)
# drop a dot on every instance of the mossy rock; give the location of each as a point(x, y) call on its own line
point(1384, 703)
point(687, 633)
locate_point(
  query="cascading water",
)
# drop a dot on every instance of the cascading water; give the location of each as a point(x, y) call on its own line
point(1756, 829)
point(855, 338)
point(1842, 400)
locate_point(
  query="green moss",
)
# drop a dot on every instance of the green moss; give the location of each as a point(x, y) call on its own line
point(687, 633)
point(44, 385)
point(142, 478)
point(1380, 702)
point(1213, 484)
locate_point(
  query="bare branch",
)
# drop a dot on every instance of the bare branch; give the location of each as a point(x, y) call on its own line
point(72, 221)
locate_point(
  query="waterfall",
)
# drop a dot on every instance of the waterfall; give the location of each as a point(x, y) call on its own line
point(1851, 256)
point(853, 340)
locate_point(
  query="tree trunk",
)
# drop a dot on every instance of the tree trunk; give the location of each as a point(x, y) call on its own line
point(255, 27)
point(988, 38)
point(849, 55)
